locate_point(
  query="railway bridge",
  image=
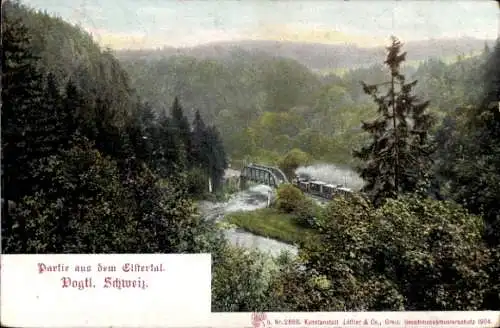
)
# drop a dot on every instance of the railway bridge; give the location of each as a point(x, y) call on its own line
point(268, 175)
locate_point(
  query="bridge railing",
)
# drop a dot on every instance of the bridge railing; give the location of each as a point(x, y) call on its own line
point(269, 170)
point(280, 174)
point(276, 171)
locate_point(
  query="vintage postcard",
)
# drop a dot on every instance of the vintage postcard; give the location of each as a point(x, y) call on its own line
point(250, 163)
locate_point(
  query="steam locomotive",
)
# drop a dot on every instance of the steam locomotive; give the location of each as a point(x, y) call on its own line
point(320, 188)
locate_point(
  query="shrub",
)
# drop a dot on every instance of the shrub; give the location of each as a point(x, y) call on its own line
point(292, 160)
point(197, 182)
point(412, 253)
point(289, 198)
point(240, 280)
point(307, 213)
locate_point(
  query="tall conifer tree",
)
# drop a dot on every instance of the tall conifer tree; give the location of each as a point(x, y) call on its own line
point(171, 154)
point(22, 96)
point(199, 142)
point(181, 125)
point(217, 161)
point(398, 159)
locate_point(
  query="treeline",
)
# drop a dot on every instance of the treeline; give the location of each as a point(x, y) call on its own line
point(414, 239)
point(285, 105)
point(80, 174)
point(89, 168)
point(409, 164)
point(170, 145)
point(83, 174)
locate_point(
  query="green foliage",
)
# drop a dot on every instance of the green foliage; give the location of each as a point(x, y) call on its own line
point(207, 151)
point(292, 161)
point(88, 168)
point(271, 223)
point(240, 280)
point(197, 183)
point(288, 198)
point(181, 128)
point(475, 179)
point(79, 176)
point(22, 91)
point(308, 213)
point(70, 53)
point(293, 290)
point(287, 84)
point(449, 254)
point(470, 165)
point(216, 155)
point(411, 253)
point(172, 153)
point(398, 160)
point(79, 212)
point(263, 104)
point(254, 122)
point(88, 209)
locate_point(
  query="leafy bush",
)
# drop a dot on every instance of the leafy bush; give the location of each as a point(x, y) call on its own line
point(292, 160)
point(307, 213)
point(240, 280)
point(196, 181)
point(412, 254)
point(432, 249)
point(289, 198)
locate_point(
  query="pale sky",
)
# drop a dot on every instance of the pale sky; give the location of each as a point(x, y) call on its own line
point(157, 23)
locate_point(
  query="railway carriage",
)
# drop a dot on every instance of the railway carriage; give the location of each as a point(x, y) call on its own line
point(320, 188)
point(304, 186)
point(328, 191)
point(316, 187)
point(344, 191)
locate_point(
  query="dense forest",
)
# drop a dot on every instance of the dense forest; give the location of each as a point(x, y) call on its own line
point(108, 155)
point(274, 104)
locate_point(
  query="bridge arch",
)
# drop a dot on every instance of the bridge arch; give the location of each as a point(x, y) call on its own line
point(268, 175)
point(279, 174)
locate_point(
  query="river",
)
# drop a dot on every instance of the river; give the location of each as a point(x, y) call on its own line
point(247, 200)
point(255, 197)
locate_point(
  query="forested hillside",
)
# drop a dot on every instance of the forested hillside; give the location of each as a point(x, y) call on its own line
point(103, 156)
point(315, 56)
point(87, 166)
point(266, 106)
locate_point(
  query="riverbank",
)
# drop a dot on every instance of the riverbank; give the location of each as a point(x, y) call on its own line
point(249, 200)
point(270, 223)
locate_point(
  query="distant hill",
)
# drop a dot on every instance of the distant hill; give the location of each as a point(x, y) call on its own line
point(69, 52)
point(315, 56)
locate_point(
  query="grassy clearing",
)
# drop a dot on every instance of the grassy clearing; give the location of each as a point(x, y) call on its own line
point(269, 222)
